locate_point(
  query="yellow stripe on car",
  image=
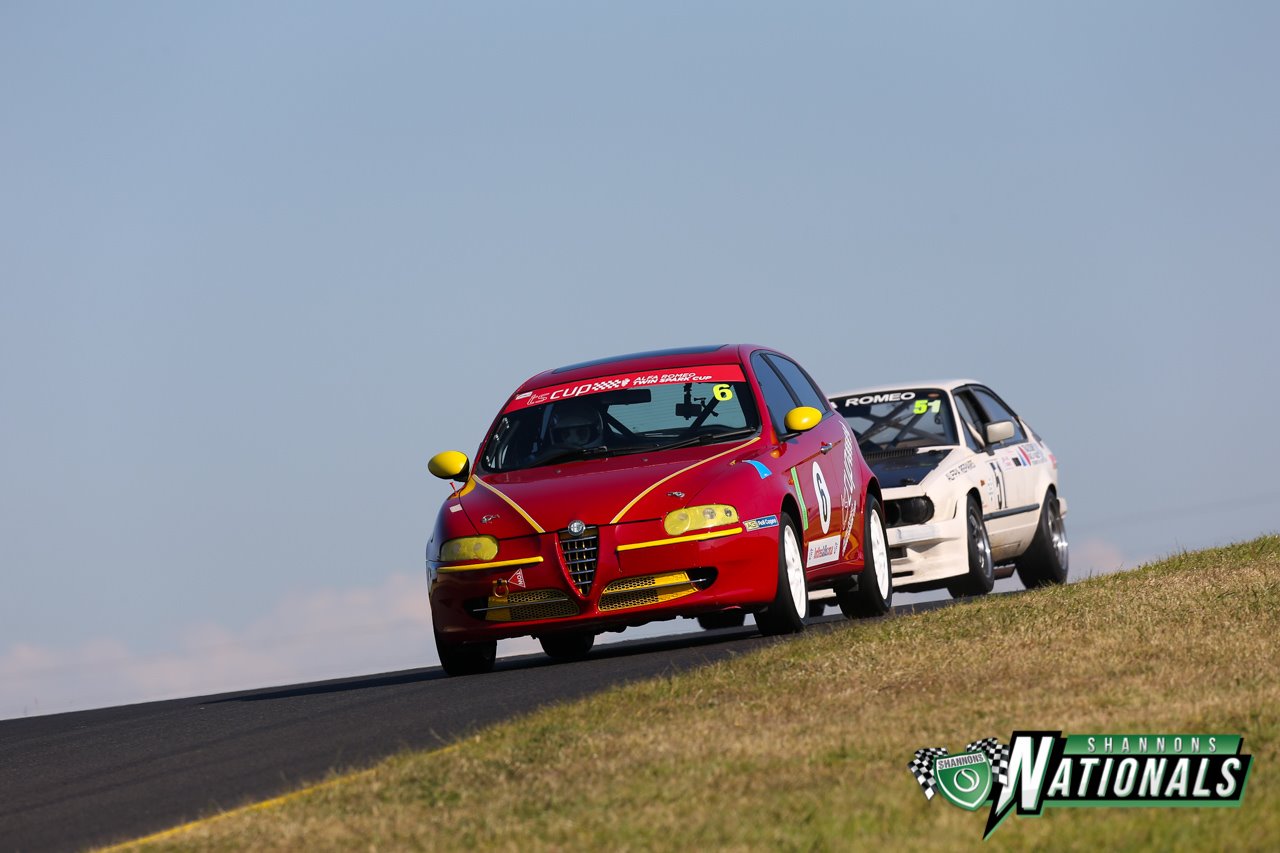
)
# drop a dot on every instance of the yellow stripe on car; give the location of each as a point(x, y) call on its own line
point(637, 498)
point(715, 534)
point(536, 527)
point(472, 567)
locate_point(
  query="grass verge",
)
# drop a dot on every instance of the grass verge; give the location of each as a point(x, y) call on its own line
point(804, 744)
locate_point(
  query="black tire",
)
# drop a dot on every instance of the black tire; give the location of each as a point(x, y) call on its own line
point(566, 647)
point(466, 658)
point(982, 571)
point(873, 593)
point(785, 614)
point(1045, 562)
point(724, 619)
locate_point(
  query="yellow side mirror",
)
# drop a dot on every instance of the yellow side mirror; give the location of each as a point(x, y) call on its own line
point(802, 419)
point(450, 465)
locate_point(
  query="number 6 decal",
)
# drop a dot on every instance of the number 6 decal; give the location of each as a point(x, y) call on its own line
point(723, 391)
point(824, 498)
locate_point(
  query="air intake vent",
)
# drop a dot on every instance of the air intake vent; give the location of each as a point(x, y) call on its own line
point(648, 589)
point(580, 555)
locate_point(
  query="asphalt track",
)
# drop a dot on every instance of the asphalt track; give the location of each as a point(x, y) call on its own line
point(89, 778)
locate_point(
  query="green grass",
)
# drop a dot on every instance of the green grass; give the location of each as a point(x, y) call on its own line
point(804, 745)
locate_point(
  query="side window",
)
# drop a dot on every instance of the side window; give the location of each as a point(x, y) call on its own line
point(807, 393)
point(972, 429)
point(998, 411)
point(776, 396)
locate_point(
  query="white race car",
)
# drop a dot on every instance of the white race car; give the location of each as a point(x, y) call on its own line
point(970, 490)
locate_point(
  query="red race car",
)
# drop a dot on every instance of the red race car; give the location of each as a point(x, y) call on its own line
point(708, 482)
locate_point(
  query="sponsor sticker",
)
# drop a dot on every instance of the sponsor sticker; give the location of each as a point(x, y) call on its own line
point(849, 488)
point(963, 468)
point(718, 373)
point(823, 551)
point(1032, 453)
point(761, 522)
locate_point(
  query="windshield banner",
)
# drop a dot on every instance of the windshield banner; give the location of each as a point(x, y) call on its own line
point(670, 376)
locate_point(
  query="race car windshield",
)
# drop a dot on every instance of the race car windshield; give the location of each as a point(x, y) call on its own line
point(619, 422)
point(899, 420)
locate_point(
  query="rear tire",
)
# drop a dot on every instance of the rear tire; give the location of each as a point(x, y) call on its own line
point(1045, 562)
point(785, 615)
point(982, 573)
point(726, 619)
point(873, 595)
point(568, 647)
point(466, 658)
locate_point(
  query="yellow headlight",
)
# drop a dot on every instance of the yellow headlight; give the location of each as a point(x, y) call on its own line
point(699, 518)
point(469, 548)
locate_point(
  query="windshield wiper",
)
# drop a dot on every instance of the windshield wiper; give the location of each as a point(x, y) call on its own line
point(706, 438)
point(573, 453)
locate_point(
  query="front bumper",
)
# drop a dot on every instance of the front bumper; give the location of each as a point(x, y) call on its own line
point(923, 554)
point(640, 574)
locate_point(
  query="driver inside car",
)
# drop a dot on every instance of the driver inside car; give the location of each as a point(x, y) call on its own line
point(576, 425)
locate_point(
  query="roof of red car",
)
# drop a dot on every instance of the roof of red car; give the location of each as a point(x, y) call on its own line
point(638, 361)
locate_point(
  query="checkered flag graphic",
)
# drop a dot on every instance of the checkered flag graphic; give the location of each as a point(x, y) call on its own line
point(997, 753)
point(921, 767)
point(610, 384)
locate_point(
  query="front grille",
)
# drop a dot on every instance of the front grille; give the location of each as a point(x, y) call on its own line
point(580, 555)
point(649, 589)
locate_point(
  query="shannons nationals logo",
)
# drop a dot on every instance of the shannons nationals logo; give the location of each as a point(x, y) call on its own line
point(1040, 770)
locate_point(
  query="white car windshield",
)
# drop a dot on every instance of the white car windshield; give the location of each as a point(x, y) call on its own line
point(899, 420)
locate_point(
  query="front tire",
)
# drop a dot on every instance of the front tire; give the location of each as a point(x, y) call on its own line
point(466, 658)
point(568, 647)
point(873, 595)
point(1045, 562)
point(785, 615)
point(982, 573)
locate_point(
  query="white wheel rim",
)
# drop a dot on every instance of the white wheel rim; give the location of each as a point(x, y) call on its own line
point(880, 555)
point(795, 572)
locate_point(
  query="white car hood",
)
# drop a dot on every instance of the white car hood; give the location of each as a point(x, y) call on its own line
point(911, 468)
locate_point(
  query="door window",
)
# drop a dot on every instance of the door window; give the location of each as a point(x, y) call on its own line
point(777, 397)
point(806, 392)
point(998, 411)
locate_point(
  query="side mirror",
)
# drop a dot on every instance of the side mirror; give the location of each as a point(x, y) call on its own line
point(999, 431)
point(450, 465)
point(802, 419)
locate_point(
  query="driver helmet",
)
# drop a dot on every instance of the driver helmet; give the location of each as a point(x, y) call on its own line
point(576, 424)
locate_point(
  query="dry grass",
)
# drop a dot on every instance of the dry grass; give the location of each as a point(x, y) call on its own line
point(804, 745)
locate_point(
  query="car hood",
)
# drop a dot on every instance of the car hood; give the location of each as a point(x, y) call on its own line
point(897, 468)
point(596, 491)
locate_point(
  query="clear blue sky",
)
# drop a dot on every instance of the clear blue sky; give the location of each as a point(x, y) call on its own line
point(259, 261)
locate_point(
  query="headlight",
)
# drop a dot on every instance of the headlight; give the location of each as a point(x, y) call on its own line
point(909, 511)
point(469, 548)
point(699, 518)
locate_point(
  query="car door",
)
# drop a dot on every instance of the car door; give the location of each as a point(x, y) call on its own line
point(1011, 516)
point(815, 458)
point(1014, 461)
